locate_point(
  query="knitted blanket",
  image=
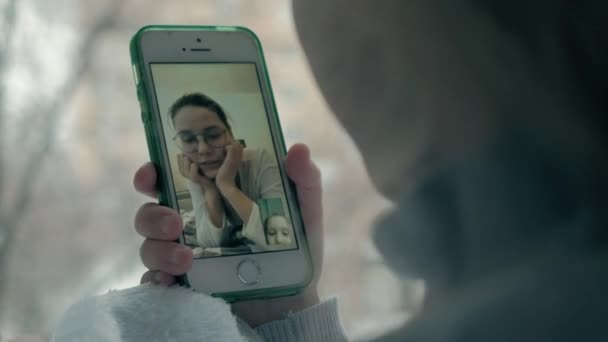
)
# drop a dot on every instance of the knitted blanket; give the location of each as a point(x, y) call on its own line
point(151, 313)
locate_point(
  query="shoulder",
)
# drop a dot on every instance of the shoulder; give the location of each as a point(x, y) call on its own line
point(257, 156)
point(529, 304)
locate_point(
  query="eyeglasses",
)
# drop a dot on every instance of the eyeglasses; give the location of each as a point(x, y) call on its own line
point(188, 141)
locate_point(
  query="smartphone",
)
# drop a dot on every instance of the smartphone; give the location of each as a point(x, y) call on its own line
point(214, 136)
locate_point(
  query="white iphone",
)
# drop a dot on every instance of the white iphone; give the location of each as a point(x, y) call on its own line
point(214, 136)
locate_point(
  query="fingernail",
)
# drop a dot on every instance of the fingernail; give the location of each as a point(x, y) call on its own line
point(180, 256)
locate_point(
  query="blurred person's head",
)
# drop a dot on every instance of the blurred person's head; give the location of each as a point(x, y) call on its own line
point(278, 231)
point(421, 84)
point(202, 130)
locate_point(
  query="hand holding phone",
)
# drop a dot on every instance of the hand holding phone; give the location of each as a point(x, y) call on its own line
point(160, 249)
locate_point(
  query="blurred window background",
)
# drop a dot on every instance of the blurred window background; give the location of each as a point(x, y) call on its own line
point(71, 139)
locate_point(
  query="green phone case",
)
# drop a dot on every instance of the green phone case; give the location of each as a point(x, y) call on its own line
point(156, 153)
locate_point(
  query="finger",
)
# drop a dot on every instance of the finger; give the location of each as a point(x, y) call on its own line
point(193, 170)
point(229, 149)
point(144, 180)
point(233, 155)
point(230, 154)
point(238, 149)
point(157, 222)
point(169, 257)
point(158, 277)
point(186, 163)
point(307, 177)
point(180, 164)
point(148, 277)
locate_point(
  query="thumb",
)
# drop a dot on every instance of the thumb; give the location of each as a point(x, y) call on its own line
point(307, 177)
point(194, 174)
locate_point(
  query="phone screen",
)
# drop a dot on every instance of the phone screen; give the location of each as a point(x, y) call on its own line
point(224, 166)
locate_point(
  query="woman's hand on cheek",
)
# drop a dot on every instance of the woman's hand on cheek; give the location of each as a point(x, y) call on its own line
point(189, 169)
point(226, 175)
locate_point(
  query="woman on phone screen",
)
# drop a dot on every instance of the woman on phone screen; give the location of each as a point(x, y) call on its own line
point(225, 180)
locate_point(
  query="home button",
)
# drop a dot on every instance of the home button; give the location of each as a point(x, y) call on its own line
point(249, 272)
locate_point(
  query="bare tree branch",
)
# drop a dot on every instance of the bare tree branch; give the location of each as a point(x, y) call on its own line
point(33, 166)
point(8, 20)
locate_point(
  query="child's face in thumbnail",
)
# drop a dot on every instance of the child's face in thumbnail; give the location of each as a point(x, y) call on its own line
point(278, 231)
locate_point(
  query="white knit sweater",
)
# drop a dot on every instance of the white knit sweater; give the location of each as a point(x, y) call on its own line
point(154, 313)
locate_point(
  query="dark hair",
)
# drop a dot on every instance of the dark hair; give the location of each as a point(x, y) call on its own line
point(198, 100)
